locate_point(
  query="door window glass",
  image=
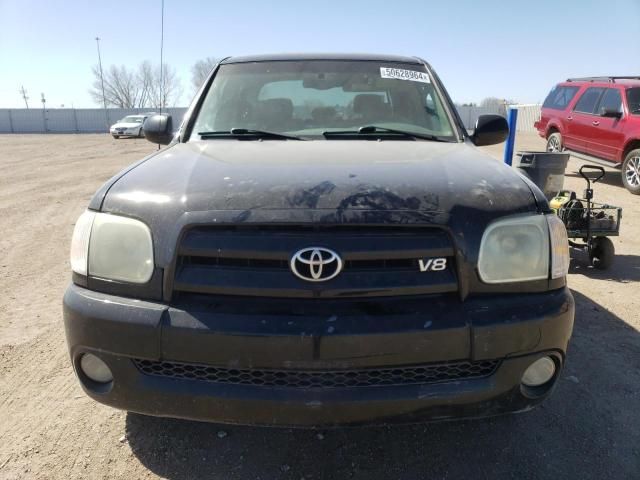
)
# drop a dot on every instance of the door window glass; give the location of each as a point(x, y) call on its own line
point(611, 100)
point(588, 100)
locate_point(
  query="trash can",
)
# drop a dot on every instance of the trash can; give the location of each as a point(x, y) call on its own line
point(545, 169)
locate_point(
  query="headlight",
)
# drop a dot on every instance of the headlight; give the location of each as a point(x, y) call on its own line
point(515, 250)
point(112, 247)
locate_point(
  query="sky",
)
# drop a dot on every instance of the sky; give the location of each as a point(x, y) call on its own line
point(507, 49)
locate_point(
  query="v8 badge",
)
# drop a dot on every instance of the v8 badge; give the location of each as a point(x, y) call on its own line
point(432, 264)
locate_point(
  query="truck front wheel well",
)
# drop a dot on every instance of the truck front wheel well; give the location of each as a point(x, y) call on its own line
point(632, 145)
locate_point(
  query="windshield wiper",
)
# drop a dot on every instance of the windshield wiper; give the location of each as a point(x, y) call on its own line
point(241, 132)
point(375, 129)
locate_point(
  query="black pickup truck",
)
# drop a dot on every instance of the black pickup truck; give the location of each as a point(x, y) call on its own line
point(321, 243)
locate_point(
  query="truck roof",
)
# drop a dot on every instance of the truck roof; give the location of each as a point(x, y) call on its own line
point(322, 56)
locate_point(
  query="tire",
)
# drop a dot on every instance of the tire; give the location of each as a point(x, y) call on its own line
point(631, 171)
point(116, 136)
point(141, 133)
point(602, 253)
point(554, 142)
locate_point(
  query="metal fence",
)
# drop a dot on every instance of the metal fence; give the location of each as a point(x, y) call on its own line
point(527, 116)
point(69, 120)
point(93, 120)
point(469, 114)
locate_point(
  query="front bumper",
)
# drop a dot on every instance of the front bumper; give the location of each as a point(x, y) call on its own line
point(125, 133)
point(513, 329)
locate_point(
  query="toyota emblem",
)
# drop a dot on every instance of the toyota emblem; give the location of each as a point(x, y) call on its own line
point(316, 264)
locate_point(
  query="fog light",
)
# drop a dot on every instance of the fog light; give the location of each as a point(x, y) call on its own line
point(539, 372)
point(95, 369)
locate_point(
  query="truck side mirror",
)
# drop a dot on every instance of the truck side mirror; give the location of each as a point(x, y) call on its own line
point(159, 129)
point(490, 129)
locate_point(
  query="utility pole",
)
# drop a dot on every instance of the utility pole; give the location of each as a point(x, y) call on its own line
point(44, 111)
point(104, 100)
point(162, 99)
point(23, 93)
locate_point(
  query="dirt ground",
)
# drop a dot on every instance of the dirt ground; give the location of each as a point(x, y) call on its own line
point(590, 427)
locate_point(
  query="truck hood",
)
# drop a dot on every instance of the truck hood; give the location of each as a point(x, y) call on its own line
point(337, 181)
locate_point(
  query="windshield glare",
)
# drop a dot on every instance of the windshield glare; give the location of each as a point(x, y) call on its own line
point(307, 98)
point(131, 120)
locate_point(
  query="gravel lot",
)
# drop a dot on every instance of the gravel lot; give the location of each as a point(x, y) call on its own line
point(590, 428)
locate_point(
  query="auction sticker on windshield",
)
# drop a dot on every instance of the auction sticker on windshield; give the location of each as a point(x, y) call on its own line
point(400, 74)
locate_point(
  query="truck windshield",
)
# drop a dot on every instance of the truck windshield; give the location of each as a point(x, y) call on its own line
point(633, 100)
point(311, 98)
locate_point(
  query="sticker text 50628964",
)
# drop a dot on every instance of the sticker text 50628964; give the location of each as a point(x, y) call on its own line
point(401, 74)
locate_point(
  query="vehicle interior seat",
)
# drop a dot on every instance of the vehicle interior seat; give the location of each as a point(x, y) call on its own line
point(274, 114)
point(411, 108)
point(371, 108)
point(323, 115)
point(231, 113)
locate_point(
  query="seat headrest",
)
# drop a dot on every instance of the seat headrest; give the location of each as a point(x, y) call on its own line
point(281, 108)
point(365, 103)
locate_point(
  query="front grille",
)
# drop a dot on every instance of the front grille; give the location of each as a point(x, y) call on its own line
point(254, 261)
point(413, 375)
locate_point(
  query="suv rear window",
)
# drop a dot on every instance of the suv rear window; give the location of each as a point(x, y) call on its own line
point(560, 97)
point(633, 100)
point(588, 100)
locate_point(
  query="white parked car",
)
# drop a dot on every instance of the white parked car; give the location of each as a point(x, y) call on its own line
point(129, 126)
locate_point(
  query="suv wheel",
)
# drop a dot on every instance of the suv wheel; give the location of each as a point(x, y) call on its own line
point(631, 171)
point(554, 142)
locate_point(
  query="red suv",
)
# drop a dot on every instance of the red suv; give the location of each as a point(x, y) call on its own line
point(598, 119)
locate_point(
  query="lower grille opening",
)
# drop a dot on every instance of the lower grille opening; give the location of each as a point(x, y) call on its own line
point(412, 375)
